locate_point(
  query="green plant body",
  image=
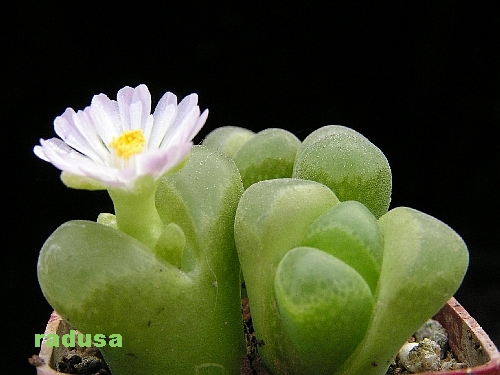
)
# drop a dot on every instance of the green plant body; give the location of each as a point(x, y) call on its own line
point(176, 305)
point(333, 290)
point(336, 282)
point(266, 155)
point(337, 156)
point(349, 164)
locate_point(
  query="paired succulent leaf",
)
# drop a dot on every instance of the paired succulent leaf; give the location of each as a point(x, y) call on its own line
point(320, 274)
point(332, 289)
point(273, 217)
point(350, 232)
point(338, 157)
point(325, 307)
point(172, 304)
point(424, 264)
point(266, 155)
point(349, 164)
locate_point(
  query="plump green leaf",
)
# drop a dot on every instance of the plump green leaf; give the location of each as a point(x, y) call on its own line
point(351, 233)
point(171, 244)
point(269, 154)
point(423, 266)
point(273, 217)
point(177, 306)
point(349, 164)
point(325, 306)
point(228, 139)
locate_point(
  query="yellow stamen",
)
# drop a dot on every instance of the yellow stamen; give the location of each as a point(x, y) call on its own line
point(129, 143)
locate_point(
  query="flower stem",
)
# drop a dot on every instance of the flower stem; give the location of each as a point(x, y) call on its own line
point(136, 213)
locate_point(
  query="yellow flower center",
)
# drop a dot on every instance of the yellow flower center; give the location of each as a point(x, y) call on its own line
point(129, 143)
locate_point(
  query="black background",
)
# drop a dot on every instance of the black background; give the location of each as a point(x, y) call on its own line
point(422, 82)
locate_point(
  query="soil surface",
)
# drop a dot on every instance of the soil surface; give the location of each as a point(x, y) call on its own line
point(89, 361)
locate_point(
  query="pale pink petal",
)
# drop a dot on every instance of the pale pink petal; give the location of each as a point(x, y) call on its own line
point(148, 129)
point(106, 118)
point(67, 159)
point(124, 98)
point(65, 128)
point(186, 105)
point(38, 150)
point(135, 113)
point(158, 162)
point(62, 156)
point(142, 96)
point(181, 129)
point(199, 124)
point(153, 163)
point(135, 106)
point(164, 116)
point(77, 130)
point(112, 177)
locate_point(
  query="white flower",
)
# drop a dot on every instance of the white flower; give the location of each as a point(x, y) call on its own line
point(116, 142)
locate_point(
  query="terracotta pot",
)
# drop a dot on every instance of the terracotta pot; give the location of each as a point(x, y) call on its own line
point(467, 339)
point(51, 355)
